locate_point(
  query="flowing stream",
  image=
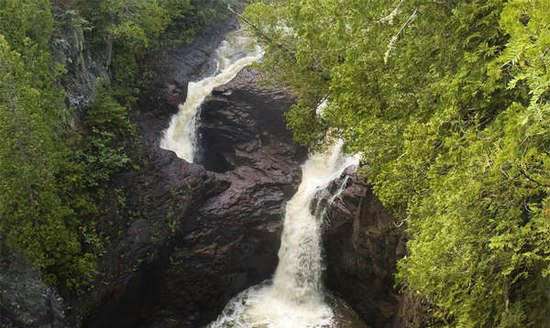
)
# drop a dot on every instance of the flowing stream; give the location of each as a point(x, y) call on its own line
point(294, 299)
point(235, 53)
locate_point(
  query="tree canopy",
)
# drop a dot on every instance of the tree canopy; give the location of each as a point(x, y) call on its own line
point(56, 167)
point(448, 103)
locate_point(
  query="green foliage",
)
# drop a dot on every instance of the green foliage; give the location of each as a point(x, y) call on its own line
point(135, 23)
point(188, 17)
point(123, 30)
point(33, 216)
point(24, 20)
point(138, 24)
point(55, 181)
point(103, 152)
point(128, 29)
point(448, 101)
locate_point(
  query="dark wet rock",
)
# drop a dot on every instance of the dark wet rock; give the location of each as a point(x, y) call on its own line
point(194, 236)
point(344, 315)
point(25, 300)
point(362, 245)
point(203, 234)
point(230, 241)
point(242, 125)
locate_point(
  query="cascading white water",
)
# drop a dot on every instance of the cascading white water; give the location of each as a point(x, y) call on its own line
point(234, 54)
point(294, 298)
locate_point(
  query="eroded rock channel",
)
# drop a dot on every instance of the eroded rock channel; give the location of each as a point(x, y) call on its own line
point(213, 227)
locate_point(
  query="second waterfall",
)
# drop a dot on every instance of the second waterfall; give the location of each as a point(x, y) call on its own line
point(294, 299)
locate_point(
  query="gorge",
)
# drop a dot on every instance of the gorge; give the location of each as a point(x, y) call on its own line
point(232, 227)
point(189, 164)
point(206, 230)
point(295, 297)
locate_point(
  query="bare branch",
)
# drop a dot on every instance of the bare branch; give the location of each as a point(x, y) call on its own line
point(260, 33)
point(389, 18)
point(394, 39)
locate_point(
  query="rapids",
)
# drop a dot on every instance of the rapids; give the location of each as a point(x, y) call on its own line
point(235, 53)
point(294, 298)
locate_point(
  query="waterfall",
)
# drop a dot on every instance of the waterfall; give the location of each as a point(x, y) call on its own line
point(298, 273)
point(294, 299)
point(234, 54)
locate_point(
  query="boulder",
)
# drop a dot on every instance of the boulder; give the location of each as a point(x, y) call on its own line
point(212, 229)
point(362, 243)
point(25, 300)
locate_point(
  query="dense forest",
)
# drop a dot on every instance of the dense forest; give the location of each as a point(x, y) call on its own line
point(57, 162)
point(449, 104)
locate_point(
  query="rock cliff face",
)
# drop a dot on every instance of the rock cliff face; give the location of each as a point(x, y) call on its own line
point(194, 235)
point(362, 245)
point(26, 301)
point(209, 230)
point(69, 49)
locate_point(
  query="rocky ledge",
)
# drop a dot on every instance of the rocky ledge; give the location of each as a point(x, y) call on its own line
point(362, 244)
point(194, 235)
point(208, 230)
point(25, 300)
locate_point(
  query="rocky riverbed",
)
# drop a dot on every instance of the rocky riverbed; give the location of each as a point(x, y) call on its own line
point(195, 235)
